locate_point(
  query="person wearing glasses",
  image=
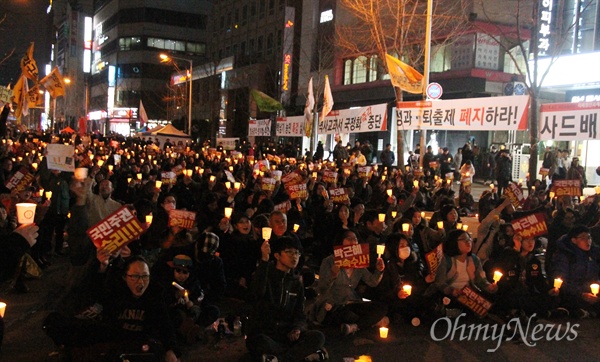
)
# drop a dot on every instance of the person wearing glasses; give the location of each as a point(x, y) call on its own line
point(576, 261)
point(277, 328)
point(184, 297)
point(460, 267)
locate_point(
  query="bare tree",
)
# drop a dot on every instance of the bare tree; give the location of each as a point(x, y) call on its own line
point(526, 16)
point(396, 27)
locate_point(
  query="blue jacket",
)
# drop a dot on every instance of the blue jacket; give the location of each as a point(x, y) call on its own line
point(577, 268)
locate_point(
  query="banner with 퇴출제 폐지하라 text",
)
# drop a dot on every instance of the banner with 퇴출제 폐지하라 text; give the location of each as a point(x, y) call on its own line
point(259, 127)
point(472, 114)
point(363, 119)
point(569, 121)
point(290, 126)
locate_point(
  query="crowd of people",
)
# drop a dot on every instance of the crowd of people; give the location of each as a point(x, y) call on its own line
point(166, 288)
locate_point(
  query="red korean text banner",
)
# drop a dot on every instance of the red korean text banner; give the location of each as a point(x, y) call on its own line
point(364, 171)
point(474, 301)
point(351, 256)
point(330, 176)
point(434, 258)
point(566, 187)
point(530, 226)
point(471, 114)
point(116, 230)
point(339, 195)
point(356, 120)
point(296, 191)
point(19, 180)
point(168, 178)
point(182, 218)
point(515, 194)
point(283, 207)
point(268, 184)
point(569, 121)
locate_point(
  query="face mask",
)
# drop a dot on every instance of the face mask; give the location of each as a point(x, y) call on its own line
point(169, 206)
point(404, 252)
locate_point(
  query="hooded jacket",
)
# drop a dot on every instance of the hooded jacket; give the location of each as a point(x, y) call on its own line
point(576, 267)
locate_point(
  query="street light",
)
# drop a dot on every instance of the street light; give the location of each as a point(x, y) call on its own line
point(166, 58)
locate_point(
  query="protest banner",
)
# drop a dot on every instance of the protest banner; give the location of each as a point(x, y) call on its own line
point(569, 121)
point(292, 178)
point(434, 258)
point(283, 207)
point(339, 195)
point(530, 226)
point(355, 120)
point(290, 126)
point(259, 127)
point(168, 178)
point(566, 187)
point(268, 184)
point(296, 191)
point(351, 256)
point(19, 180)
point(474, 301)
point(276, 174)
point(330, 176)
point(514, 192)
point(116, 230)
point(469, 114)
point(364, 171)
point(182, 218)
point(544, 171)
point(60, 157)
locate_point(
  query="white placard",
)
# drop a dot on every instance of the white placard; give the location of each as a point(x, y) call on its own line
point(60, 157)
point(363, 119)
point(569, 121)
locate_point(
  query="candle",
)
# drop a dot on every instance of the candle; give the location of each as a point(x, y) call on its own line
point(48, 195)
point(139, 176)
point(465, 227)
point(177, 286)
point(383, 178)
point(492, 186)
point(594, 287)
point(405, 228)
point(389, 192)
point(440, 225)
point(100, 163)
point(266, 233)
point(552, 195)
point(416, 183)
point(558, 283)
point(110, 168)
point(497, 276)
point(449, 181)
point(212, 178)
point(149, 219)
point(228, 185)
point(34, 165)
point(201, 171)
point(2, 309)
point(237, 185)
point(422, 214)
point(158, 184)
point(128, 179)
point(296, 227)
point(383, 332)
point(381, 217)
point(380, 250)
point(228, 211)
point(394, 213)
point(407, 289)
point(314, 175)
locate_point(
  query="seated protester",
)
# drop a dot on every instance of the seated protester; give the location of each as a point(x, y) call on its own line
point(487, 202)
point(441, 195)
point(339, 303)
point(186, 308)
point(486, 243)
point(277, 325)
point(576, 262)
point(448, 215)
point(460, 267)
point(239, 252)
point(523, 287)
point(134, 318)
point(466, 202)
point(403, 268)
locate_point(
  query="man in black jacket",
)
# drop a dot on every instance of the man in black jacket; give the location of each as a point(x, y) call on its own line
point(277, 325)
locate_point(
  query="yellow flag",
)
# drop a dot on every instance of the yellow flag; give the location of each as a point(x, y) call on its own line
point(308, 109)
point(327, 99)
point(28, 65)
point(34, 98)
point(54, 84)
point(404, 76)
point(20, 97)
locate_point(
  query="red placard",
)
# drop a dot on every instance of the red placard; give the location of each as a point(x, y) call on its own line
point(19, 180)
point(364, 171)
point(297, 191)
point(283, 207)
point(268, 184)
point(339, 196)
point(182, 218)
point(474, 301)
point(530, 226)
point(168, 178)
point(566, 187)
point(330, 176)
point(515, 194)
point(116, 230)
point(544, 171)
point(292, 178)
point(351, 256)
point(434, 258)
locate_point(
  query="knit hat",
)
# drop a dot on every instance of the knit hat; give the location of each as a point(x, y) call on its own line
point(210, 243)
point(181, 261)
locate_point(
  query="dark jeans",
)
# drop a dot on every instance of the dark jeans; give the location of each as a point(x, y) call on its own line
point(285, 350)
point(364, 314)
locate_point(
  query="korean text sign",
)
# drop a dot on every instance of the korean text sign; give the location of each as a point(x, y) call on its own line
point(351, 256)
point(530, 226)
point(116, 230)
point(183, 219)
point(569, 121)
point(363, 119)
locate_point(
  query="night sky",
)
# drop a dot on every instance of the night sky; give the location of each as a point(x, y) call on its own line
point(26, 21)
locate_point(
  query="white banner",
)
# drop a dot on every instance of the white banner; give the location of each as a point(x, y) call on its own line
point(227, 143)
point(290, 126)
point(569, 121)
point(259, 127)
point(471, 114)
point(60, 157)
point(363, 119)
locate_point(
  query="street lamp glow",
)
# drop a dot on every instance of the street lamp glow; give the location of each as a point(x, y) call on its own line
point(167, 58)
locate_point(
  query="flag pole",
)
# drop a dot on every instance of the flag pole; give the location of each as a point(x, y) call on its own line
point(426, 76)
point(314, 136)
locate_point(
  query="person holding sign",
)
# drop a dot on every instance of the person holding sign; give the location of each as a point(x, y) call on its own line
point(277, 325)
point(339, 302)
point(460, 267)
